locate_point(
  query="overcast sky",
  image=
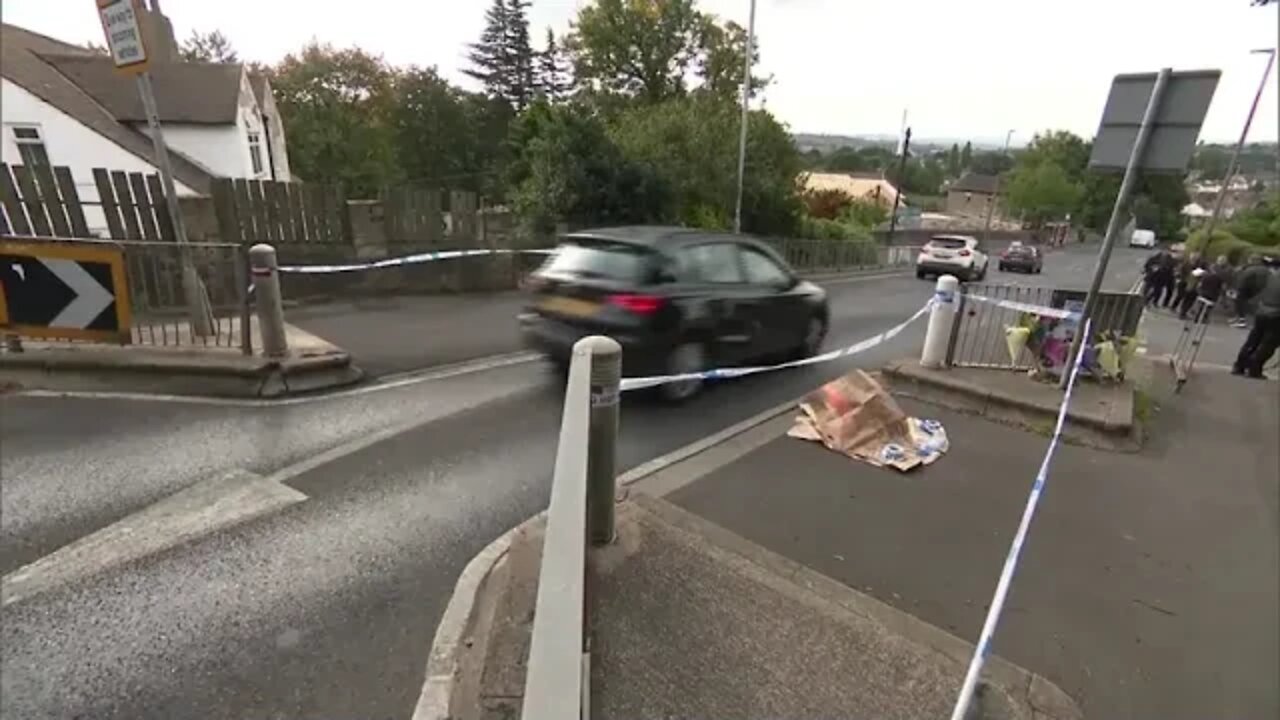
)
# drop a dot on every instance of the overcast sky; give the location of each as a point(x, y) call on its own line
point(962, 69)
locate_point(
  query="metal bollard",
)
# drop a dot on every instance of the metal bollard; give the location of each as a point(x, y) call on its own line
point(941, 319)
point(266, 288)
point(602, 439)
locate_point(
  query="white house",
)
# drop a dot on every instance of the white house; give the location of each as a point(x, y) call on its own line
point(61, 104)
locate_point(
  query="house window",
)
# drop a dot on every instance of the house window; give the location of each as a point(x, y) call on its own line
point(255, 152)
point(30, 145)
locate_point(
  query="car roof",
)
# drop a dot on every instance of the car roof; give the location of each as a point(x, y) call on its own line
point(966, 238)
point(659, 237)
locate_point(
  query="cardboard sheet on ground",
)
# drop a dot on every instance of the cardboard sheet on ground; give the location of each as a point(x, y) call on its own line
point(856, 416)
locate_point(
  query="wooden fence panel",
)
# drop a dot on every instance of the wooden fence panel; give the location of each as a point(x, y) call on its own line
point(142, 203)
point(124, 200)
point(107, 197)
point(12, 205)
point(164, 222)
point(71, 199)
point(48, 191)
point(31, 201)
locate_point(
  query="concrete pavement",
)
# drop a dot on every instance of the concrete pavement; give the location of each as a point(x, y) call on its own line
point(327, 607)
point(1149, 584)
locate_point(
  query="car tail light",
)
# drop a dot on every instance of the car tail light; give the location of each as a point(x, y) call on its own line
point(638, 304)
point(963, 253)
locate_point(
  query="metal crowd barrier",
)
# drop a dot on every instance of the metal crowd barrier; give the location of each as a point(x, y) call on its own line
point(978, 335)
point(156, 292)
point(581, 511)
point(1183, 358)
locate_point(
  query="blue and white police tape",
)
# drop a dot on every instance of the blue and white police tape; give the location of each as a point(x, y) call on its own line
point(638, 383)
point(1041, 310)
point(413, 259)
point(983, 647)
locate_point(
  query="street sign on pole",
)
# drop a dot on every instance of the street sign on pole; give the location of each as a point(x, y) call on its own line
point(64, 290)
point(1153, 122)
point(121, 21)
point(1173, 131)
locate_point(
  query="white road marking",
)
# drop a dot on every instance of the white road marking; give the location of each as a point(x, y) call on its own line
point(194, 512)
point(91, 298)
point(390, 382)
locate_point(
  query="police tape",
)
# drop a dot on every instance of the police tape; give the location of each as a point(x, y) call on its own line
point(638, 383)
point(983, 648)
point(414, 259)
point(1041, 310)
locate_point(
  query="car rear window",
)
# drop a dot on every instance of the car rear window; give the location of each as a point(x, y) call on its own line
point(1020, 250)
point(612, 261)
point(947, 243)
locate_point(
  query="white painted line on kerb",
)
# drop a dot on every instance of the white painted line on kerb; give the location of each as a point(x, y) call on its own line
point(191, 513)
point(390, 382)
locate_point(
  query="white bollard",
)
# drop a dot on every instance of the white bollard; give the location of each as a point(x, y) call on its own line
point(942, 318)
point(266, 291)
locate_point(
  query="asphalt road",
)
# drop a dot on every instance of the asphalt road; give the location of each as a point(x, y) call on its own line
point(325, 608)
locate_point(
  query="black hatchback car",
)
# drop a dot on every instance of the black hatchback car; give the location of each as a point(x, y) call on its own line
point(1024, 258)
point(677, 300)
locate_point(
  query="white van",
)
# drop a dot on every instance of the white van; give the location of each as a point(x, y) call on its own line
point(1142, 239)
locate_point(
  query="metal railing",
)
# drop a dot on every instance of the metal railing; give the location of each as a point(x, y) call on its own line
point(809, 256)
point(978, 337)
point(580, 511)
point(1187, 349)
point(156, 293)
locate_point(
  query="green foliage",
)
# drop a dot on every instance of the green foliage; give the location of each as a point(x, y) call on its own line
point(1259, 225)
point(211, 47)
point(991, 162)
point(966, 156)
point(337, 108)
point(923, 176)
point(503, 58)
point(442, 135)
point(1225, 243)
point(554, 81)
point(647, 49)
point(822, 229)
point(1042, 192)
point(692, 143)
point(953, 161)
point(567, 167)
point(1064, 149)
point(865, 213)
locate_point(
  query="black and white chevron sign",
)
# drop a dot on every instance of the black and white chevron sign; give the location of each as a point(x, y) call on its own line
point(50, 292)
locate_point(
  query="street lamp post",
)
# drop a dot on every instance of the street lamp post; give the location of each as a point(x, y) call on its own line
point(995, 198)
point(746, 97)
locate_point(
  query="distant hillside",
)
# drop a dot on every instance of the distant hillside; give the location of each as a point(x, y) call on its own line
point(827, 143)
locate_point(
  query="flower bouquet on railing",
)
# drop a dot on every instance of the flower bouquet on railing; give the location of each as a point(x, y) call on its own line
point(1048, 341)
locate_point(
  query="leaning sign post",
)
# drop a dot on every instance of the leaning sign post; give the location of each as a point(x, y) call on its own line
point(1150, 124)
point(126, 41)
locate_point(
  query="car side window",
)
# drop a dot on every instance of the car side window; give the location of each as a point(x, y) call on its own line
point(761, 269)
point(713, 263)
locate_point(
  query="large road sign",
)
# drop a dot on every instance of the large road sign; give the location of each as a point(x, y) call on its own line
point(122, 23)
point(64, 290)
point(1181, 111)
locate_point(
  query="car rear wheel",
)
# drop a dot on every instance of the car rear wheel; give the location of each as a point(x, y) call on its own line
point(684, 358)
point(814, 333)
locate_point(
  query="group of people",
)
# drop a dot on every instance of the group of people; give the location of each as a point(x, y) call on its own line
point(1253, 290)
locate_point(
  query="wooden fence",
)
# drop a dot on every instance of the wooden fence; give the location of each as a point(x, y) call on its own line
point(134, 206)
point(254, 211)
point(413, 215)
point(40, 201)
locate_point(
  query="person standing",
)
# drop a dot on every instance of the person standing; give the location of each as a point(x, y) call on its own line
point(1264, 336)
point(1248, 283)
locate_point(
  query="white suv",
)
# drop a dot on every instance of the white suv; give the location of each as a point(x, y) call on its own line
point(959, 255)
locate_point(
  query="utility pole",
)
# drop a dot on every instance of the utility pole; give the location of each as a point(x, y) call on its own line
point(1235, 155)
point(746, 97)
point(995, 198)
point(902, 177)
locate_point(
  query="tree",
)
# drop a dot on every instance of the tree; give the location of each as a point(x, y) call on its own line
point(993, 162)
point(953, 161)
point(722, 49)
point(436, 137)
point(1042, 192)
point(650, 49)
point(1064, 149)
point(211, 47)
point(568, 168)
point(337, 111)
point(827, 204)
point(966, 156)
point(503, 59)
point(692, 143)
point(636, 48)
point(553, 73)
point(1211, 161)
